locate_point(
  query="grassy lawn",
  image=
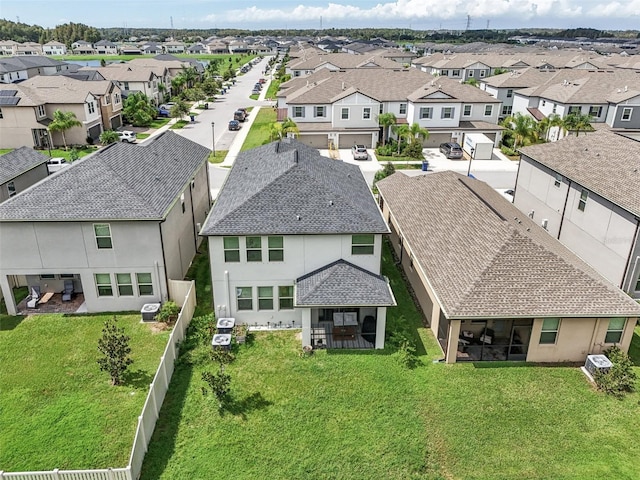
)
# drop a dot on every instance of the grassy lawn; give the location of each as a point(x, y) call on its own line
point(59, 152)
point(360, 415)
point(58, 409)
point(5, 150)
point(254, 96)
point(261, 129)
point(385, 159)
point(142, 136)
point(218, 157)
point(274, 86)
point(179, 124)
point(159, 122)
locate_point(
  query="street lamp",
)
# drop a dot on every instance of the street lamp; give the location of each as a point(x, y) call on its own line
point(470, 159)
point(213, 137)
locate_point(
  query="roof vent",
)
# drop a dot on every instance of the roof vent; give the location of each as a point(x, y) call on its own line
point(331, 202)
point(297, 217)
point(544, 223)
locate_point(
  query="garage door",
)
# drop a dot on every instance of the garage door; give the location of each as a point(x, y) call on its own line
point(435, 139)
point(315, 141)
point(95, 131)
point(116, 122)
point(348, 140)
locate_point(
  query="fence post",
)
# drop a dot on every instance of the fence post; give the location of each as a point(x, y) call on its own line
point(55, 473)
point(110, 474)
point(142, 435)
point(152, 395)
point(164, 371)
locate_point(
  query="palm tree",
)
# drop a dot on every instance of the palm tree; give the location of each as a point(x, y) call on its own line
point(279, 130)
point(547, 123)
point(63, 121)
point(577, 122)
point(386, 120)
point(522, 127)
point(401, 132)
point(189, 74)
point(109, 136)
point(417, 133)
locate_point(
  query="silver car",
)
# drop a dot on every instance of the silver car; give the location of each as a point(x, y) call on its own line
point(360, 152)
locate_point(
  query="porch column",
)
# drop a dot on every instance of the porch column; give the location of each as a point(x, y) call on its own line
point(306, 326)
point(381, 326)
point(452, 343)
point(7, 293)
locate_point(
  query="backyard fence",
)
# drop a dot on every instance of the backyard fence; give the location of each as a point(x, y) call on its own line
point(183, 293)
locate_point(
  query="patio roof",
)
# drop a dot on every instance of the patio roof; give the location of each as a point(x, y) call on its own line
point(342, 284)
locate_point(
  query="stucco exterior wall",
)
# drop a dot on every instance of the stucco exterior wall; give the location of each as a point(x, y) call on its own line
point(25, 180)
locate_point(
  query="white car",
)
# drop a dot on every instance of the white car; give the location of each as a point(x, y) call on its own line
point(360, 152)
point(57, 163)
point(127, 136)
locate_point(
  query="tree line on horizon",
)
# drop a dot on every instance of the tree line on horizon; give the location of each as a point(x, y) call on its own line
point(70, 32)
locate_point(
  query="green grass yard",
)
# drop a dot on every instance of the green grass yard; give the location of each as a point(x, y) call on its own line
point(260, 129)
point(58, 410)
point(360, 415)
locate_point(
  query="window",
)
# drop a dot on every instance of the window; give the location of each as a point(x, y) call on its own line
point(103, 282)
point(507, 109)
point(1, 116)
point(116, 98)
point(245, 298)
point(444, 73)
point(470, 73)
point(126, 85)
point(549, 331)
point(381, 109)
point(466, 111)
point(638, 284)
point(265, 298)
point(296, 73)
point(11, 189)
point(106, 99)
point(285, 297)
point(344, 113)
point(254, 249)
point(488, 110)
point(554, 109)
point(595, 111)
point(125, 286)
point(298, 112)
point(626, 114)
point(456, 73)
point(509, 93)
point(362, 244)
point(231, 249)
point(366, 113)
point(426, 112)
point(614, 332)
point(403, 109)
point(573, 109)
point(583, 200)
point(544, 102)
point(558, 180)
point(483, 73)
point(276, 249)
point(447, 112)
point(319, 111)
point(41, 111)
point(47, 276)
point(92, 107)
point(103, 235)
point(145, 284)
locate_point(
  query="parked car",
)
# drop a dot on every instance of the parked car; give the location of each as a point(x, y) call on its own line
point(239, 115)
point(262, 80)
point(56, 163)
point(234, 125)
point(451, 150)
point(246, 113)
point(359, 152)
point(127, 136)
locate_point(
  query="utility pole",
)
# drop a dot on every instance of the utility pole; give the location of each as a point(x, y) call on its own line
point(488, 24)
point(468, 23)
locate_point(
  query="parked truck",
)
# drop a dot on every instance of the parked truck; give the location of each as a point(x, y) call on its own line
point(478, 146)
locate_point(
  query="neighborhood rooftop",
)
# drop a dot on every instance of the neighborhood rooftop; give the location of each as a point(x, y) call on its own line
point(121, 182)
point(289, 188)
point(19, 161)
point(485, 258)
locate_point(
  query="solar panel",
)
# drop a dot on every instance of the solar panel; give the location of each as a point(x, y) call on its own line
point(9, 100)
point(8, 93)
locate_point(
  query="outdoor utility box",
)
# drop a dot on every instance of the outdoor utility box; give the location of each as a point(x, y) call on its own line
point(597, 363)
point(478, 146)
point(149, 311)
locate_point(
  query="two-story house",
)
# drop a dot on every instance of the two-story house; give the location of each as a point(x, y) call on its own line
point(133, 78)
point(17, 69)
point(105, 47)
point(295, 240)
point(310, 63)
point(493, 285)
point(174, 47)
point(19, 169)
point(585, 191)
point(119, 224)
point(82, 47)
point(54, 48)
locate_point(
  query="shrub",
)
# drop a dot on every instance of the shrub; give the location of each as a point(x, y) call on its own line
point(413, 150)
point(508, 151)
point(621, 378)
point(168, 312)
point(218, 383)
point(115, 350)
point(407, 355)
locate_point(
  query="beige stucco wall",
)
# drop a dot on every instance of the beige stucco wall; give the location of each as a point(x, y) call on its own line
point(16, 125)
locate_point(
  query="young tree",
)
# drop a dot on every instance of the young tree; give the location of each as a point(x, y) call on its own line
point(138, 110)
point(115, 350)
point(401, 131)
point(218, 383)
point(180, 109)
point(63, 121)
point(108, 136)
point(386, 120)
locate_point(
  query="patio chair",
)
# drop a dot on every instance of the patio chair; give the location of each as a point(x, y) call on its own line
point(68, 291)
point(32, 301)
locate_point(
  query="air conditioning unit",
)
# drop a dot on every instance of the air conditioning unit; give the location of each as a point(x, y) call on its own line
point(597, 363)
point(545, 223)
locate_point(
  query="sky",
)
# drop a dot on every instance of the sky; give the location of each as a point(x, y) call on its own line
point(322, 14)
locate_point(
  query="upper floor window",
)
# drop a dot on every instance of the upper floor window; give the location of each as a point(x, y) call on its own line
point(296, 73)
point(107, 99)
point(555, 108)
point(488, 110)
point(381, 111)
point(626, 114)
point(456, 73)
point(116, 98)
point(445, 73)
point(426, 112)
point(320, 111)
point(471, 74)
point(92, 107)
point(366, 113)
point(483, 73)
point(574, 109)
point(507, 109)
point(41, 111)
point(549, 332)
point(447, 112)
point(595, 111)
point(558, 180)
point(362, 244)
point(254, 249)
point(126, 85)
point(403, 109)
point(231, 247)
point(276, 249)
point(510, 93)
point(466, 110)
point(344, 113)
point(1, 115)
point(298, 112)
point(582, 203)
point(615, 330)
point(103, 235)
point(11, 189)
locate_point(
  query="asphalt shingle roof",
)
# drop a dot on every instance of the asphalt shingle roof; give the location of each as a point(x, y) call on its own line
point(603, 162)
point(19, 161)
point(342, 284)
point(121, 182)
point(486, 259)
point(287, 187)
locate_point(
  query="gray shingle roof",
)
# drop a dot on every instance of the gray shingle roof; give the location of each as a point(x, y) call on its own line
point(603, 162)
point(486, 259)
point(342, 284)
point(287, 187)
point(121, 182)
point(19, 161)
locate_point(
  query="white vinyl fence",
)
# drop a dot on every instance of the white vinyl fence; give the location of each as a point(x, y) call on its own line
point(181, 292)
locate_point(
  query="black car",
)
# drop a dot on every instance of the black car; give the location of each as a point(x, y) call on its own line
point(234, 125)
point(239, 115)
point(451, 150)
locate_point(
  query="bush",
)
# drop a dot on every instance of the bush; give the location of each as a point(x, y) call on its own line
point(413, 150)
point(218, 383)
point(621, 378)
point(407, 355)
point(508, 151)
point(387, 150)
point(115, 350)
point(168, 312)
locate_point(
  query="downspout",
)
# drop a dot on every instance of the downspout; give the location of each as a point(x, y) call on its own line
point(629, 271)
point(227, 287)
point(564, 209)
point(193, 218)
point(593, 336)
point(164, 260)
